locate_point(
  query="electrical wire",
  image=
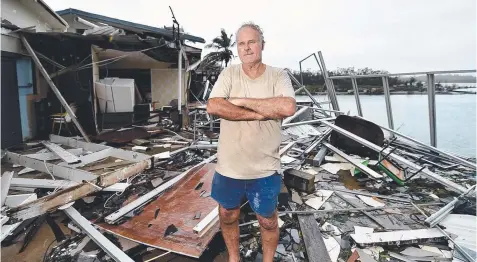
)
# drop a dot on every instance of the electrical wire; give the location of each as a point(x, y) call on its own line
point(115, 59)
point(44, 162)
point(46, 251)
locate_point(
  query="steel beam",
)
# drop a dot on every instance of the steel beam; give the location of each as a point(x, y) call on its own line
point(113, 152)
point(387, 97)
point(431, 95)
point(353, 161)
point(447, 154)
point(329, 83)
point(61, 152)
point(53, 87)
point(52, 184)
point(356, 96)
point(302, 87)
point(426, 172)
point(407, 74)
point(308, 122)
point(49, 168)
point(52, 156)
point(297, 113)
point(112, 250)
point(301, 73)
point(356, 192)
point(5, 186)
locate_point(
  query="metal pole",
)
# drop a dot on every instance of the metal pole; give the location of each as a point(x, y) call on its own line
point(457, 246)
point(293, 78)
point(112, 250)
point(431, 95)
point(402, 160)
point(179, 81)
point(329, 83)
point(356, 95)
point(462, 161)
point(354, 162)
point(53, 87)
point(301, 75)
point(297, 113)
point(308, 122)
point(358, 209)
point(387, 97)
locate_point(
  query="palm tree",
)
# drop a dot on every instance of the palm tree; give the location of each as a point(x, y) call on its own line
point(222, 44)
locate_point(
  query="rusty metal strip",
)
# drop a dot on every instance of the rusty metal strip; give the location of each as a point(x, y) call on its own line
point(55, 200)
point(177, 206)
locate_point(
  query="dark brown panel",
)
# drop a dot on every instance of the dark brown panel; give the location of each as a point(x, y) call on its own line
point(177, 206)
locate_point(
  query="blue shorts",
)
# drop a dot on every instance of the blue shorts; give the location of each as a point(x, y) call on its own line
point(262, 193)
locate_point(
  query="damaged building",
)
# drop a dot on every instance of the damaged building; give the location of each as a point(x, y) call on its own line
point(110, 72)
point(108, 154)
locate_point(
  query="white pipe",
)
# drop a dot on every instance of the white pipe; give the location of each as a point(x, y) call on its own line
point(179, 88)
point(85, 22)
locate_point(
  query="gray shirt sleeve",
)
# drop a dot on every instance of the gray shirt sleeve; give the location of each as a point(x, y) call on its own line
point(284, 86)
point(222, 86)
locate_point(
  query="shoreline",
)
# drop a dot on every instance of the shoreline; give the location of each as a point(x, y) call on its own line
point(396, 93)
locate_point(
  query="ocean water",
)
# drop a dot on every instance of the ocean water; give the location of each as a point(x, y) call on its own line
point(456, 117)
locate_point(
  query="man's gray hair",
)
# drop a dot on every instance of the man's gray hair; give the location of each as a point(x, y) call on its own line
point(254, 27)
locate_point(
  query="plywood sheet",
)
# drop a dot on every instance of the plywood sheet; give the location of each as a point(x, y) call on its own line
point(177, 206)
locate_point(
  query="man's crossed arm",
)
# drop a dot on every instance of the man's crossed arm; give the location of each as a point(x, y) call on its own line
point(248, 109)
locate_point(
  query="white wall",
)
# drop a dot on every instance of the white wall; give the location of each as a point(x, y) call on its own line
point(164, 86)
point(25, 13)
point(73, 24)
point(20, 15)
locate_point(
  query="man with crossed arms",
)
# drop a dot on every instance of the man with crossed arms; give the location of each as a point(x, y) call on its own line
point(251, 99)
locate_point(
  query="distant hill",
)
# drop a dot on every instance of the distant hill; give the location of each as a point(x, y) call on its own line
point(449, 78)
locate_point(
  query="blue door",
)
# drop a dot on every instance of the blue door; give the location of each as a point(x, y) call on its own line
point(25, 89)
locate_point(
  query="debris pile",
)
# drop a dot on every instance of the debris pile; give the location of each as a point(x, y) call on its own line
point(350, 192)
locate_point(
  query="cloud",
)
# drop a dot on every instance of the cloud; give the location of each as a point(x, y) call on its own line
point(398, 36)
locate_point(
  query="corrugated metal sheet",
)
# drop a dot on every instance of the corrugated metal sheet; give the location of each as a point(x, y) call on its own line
point(466, 230)
point(104, 30)
point(177, 206)
point(301, 131)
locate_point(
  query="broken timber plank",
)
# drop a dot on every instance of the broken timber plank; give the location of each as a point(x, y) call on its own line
point(353, 161)
point(399, 237)
point(177, 206)
point(5, 185)
point(61, 152)
point(314, 244)
point(112, 218)
point(68, 195)
point(112, 250)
